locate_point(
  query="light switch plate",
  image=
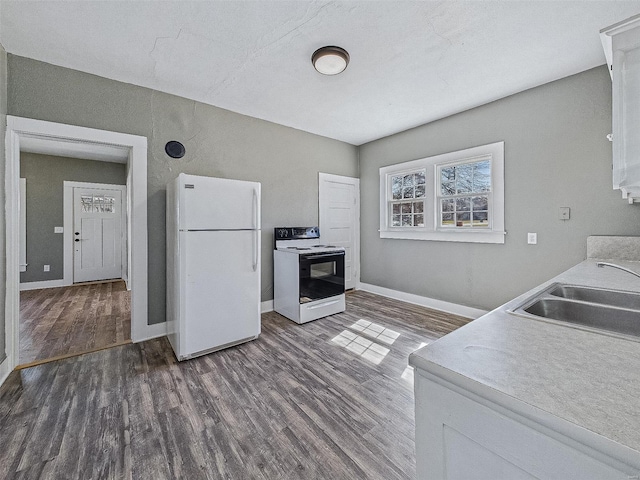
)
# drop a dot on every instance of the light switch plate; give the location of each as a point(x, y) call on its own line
point(532, 238)
point(58, 230)
point(565, 213)
point(47, 268)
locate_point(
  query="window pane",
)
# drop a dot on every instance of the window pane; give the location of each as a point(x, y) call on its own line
point(408, 180)
point(396, 209)
point(464, 176)
point(406, 208)
point(420, 178)
point(406, 220)
point(447, 174)
point(480, 203)
point(448, 188)
point(463, 204)
point(396, 187)
point(420, 191)
point(86, 202)
point(482, 176)
point(395, 221)
point(447, 219)
point(418, 220)
point(407, 192)
point(480, 219)
point(448, 205)
point(463, 219)
point(418, 207)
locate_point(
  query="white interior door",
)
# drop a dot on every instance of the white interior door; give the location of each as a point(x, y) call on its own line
point(339, 204)
point(97, 234)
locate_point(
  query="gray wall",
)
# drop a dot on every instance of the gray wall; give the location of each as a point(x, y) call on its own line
point(556, 154)
point(218, 142)
point(45, 176)
point(3, 124)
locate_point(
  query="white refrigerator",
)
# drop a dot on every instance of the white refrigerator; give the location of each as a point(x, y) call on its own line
point(213, 264)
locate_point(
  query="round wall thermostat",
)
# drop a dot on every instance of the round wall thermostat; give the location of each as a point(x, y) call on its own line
point(174, 149)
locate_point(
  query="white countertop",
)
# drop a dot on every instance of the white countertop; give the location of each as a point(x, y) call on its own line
point(590, 382)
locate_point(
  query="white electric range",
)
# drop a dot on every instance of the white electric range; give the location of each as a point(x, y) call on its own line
point(308, 276)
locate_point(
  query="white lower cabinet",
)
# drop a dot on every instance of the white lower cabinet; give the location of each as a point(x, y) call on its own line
point(461, 436)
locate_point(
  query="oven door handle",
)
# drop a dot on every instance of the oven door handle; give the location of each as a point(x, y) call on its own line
point(324, 255)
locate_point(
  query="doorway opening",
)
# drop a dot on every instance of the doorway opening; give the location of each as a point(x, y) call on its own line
point(71, 240)
point(24, 134)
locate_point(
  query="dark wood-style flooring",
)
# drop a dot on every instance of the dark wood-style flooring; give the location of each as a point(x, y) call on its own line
point(331, 399)
point(66, 321)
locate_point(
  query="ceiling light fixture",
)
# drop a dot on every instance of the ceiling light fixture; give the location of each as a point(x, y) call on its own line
point(330, 60)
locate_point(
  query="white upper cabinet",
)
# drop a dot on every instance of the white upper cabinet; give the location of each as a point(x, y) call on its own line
point(621, 44)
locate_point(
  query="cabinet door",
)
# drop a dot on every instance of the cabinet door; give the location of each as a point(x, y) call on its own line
point(458, 439)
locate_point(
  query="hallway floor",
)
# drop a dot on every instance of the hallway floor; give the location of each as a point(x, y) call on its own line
point(61, 322)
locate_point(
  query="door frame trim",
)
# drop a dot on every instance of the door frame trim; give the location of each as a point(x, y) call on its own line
point(19, 128)
point(68, 220)
point(356, 181)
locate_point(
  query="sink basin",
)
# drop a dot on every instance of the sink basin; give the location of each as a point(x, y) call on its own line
point(595, 295)
point(612, 312)
point(591, 315)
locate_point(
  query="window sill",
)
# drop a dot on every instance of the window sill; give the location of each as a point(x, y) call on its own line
point(440, 236)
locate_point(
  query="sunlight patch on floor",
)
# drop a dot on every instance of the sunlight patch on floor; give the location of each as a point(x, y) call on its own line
point(361, 346)
point(373, 330)
point(407, 374)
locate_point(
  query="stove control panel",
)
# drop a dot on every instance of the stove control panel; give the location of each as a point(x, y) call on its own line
point(296, 233)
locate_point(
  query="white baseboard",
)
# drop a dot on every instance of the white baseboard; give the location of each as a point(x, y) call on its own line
point(150, 332)
point(266, 306)
point(43, 284)
point(5, 370)
point(441, 305)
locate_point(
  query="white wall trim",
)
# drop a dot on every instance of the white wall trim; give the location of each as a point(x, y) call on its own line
point(68, 222)
point(441, 305)
point(55, 134)
point(5, 369)
point(43, 284)
point(153, 331)
point(23, 226)
point(266, 306)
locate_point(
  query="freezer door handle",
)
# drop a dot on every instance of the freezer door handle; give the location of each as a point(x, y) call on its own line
point(255, 209)
point(255, 249)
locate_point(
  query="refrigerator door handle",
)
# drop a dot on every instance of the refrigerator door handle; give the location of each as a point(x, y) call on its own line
point(255, 249)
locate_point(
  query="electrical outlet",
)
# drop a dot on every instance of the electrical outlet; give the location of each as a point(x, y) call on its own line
point(565, 213)
point(532, 238)
point(47, 268)
point(58, 230)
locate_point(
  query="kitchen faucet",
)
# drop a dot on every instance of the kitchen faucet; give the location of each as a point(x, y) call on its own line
point(605, 264)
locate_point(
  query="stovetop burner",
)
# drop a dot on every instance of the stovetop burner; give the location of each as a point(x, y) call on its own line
point(301, 241)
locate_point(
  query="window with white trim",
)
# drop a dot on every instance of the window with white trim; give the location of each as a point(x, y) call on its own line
point(407, 199)
point(464, 194)
point(457, 196)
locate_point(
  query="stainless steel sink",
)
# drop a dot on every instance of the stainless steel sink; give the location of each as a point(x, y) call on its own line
point(592, 315)
point(612, 312)
point(595, 295)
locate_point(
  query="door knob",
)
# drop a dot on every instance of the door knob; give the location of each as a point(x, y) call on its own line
point(77, 239)
point(77, 233)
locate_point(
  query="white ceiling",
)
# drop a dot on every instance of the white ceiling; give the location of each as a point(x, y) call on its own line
point(411, 62)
